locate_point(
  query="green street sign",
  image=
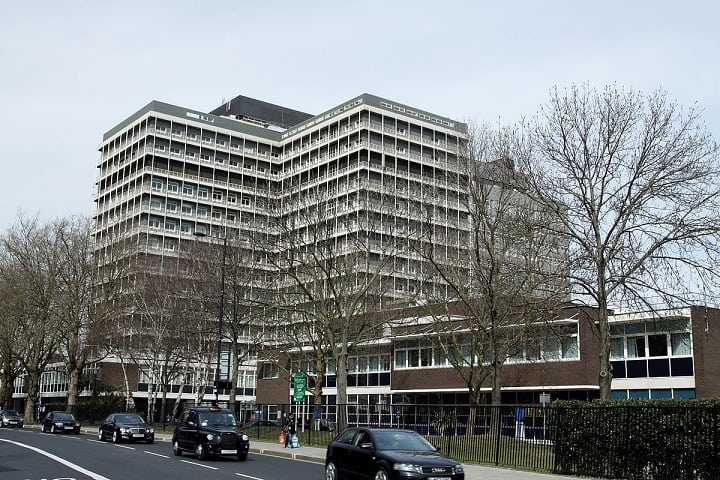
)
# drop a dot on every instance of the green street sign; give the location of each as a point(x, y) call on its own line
point(299, 386)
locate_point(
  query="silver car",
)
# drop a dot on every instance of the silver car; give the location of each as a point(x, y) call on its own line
point(10, 418)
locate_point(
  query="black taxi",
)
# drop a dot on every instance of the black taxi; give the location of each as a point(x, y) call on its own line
point(207, 431)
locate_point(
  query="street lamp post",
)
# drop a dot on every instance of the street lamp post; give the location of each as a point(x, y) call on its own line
point(221, 316)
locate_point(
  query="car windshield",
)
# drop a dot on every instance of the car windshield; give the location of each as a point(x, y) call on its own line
point(217, 419)
point(63, 416)
point(129, 419)
point(402, 441)
point(12, 413)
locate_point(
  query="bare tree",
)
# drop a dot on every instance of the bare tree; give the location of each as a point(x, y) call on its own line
point(87, 297)
point(29, 269)
point(635, 181)
point(233, 273)
point(159, 323)
point(10, 335)
point(334, 263)
point(494, 285)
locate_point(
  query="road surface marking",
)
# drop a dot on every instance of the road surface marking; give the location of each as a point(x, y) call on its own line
point(77, 468)
point(199, 464)
point(248, 476)
point(156, 454)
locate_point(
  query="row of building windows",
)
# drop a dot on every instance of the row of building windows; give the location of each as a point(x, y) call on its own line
point(550, 348)
point(651, 345)
point(653, 393)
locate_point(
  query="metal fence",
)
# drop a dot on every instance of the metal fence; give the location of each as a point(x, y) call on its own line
point(517, 436)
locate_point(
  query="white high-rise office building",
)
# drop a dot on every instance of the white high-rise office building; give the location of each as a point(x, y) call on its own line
point(167, 173)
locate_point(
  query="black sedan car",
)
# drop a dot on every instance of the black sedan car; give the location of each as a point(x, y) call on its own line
point(207, 431)
point(386, 453)
point(10, 418)
point(60, 422)
point(125, 427)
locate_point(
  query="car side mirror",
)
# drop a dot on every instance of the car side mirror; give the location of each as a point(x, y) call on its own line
point(191, 423)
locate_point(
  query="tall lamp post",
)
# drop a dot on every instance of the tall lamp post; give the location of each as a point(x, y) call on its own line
point(221, 316)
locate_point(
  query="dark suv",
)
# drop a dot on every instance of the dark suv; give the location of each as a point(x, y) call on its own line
point(209, 431)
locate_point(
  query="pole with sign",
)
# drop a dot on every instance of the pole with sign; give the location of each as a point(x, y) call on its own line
point(299, 386)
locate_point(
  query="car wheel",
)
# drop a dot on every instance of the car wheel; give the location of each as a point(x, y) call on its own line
point(201, 451)
point(150, 440)
point(176, 449)
point(381, 475)
point(100, 435)
point(331, 472)
point(52, 429)
point(116, 436)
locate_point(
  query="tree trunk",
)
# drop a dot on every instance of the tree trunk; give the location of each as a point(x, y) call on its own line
point(341, 374)
point(31, 387)
point(234, 378)
point(73, 385)
point(605, 373)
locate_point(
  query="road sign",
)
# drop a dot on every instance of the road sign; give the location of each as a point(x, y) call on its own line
point(299, 386)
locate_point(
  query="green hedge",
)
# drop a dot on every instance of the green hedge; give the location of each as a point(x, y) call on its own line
point(638, 439)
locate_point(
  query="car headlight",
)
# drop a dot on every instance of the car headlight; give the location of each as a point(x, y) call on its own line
point(245, 438)
point(124, 430)
point(150, 430)
point(459, 469)
point(407, 467)
point(58, 424)
point(210, 437)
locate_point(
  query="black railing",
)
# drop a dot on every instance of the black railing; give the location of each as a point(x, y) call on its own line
point(517, 436)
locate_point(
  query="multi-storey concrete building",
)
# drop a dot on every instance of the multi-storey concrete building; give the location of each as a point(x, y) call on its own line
point(167, 174)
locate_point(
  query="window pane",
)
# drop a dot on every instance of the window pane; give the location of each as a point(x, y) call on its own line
point(635, 347)
point(657, 345)
point(617, 348)
point(569, 347)
point(374, 360)
point(426, 357)
point(680, 343)
point(414, 358)
point(400, 358)
point(551, 350)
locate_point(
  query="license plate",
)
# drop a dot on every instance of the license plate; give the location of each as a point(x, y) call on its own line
point(440, 478)
point(138, 435)
point(230, 452)
point(69, 428)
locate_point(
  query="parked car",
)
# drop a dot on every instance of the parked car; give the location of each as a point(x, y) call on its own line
point(10, 418)
point(60, 422)
point(125, 426)
point(327, 425)
point(207, 431)
point(387, 454)
point(261, 423)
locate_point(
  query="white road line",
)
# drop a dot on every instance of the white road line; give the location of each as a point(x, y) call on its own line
point(248, 476)
point(125, 446)
point(96, 441)
point(77, 468)
point(199, 464)
point(156, 454)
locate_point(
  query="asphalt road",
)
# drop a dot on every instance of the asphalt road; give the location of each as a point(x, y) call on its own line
point(28, 454)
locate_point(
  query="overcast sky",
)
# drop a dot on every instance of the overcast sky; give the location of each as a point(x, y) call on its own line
point(71, 70)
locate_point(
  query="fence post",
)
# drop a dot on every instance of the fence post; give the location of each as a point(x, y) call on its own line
point(498, 420)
